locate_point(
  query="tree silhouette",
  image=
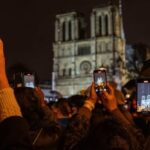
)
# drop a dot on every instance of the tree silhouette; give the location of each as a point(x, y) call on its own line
point(136, 56)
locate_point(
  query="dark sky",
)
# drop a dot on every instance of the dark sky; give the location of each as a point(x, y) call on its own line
point(27, 28)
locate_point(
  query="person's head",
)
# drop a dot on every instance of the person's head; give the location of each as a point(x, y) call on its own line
point(61, 109)
point(109, 135)
point(76, 101)
point(29, 102)
point(145, 71)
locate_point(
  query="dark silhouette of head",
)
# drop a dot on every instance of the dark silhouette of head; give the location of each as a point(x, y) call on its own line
point(145, 71)
point(29, 102)
point(109, 135)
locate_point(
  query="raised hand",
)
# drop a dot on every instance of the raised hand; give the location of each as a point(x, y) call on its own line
point(3, 77)
point(109, 99)
point(92, 94)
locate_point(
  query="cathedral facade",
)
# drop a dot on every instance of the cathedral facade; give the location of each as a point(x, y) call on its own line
point(75, 57)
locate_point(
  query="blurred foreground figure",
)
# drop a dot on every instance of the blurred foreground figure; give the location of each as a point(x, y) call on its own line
point(13, 128)
point(44, 131)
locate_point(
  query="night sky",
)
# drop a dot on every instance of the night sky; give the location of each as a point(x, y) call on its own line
point(27, 28)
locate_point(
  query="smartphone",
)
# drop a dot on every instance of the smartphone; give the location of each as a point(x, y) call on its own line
point(143, 96)
point(100, 79)
point(29, 80)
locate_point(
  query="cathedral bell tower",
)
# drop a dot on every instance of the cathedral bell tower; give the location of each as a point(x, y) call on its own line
point(107, 30)
point(75, 57)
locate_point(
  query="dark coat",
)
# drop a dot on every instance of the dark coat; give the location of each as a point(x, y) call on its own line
point(14, 134)
point(112, 132)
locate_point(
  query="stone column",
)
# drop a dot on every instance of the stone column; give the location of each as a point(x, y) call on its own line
point(97, 25)
point(93, 25)
point(103, 24)
point(61, 30)
point(76, 31)
point(72, 29)
point(73, 71)
point(117, 24)
point(66, 30)
point(110, 25)
point(53, 81)
point(56, 31)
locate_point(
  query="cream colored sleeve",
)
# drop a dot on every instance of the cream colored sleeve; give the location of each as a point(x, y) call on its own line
point(8, 104)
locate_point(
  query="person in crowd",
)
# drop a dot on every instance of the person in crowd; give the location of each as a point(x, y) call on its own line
point(16, 125)
point(24, 126)
point(13, 127)
point(118, 131)
point(76, 101)
point(62, 112)
point(44, 131)
point(145, 70)
point(32, 107)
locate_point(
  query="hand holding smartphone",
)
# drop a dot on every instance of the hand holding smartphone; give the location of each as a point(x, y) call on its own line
point(100, 80)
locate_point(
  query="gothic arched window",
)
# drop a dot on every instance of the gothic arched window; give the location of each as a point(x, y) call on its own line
point(106, 24)
point(63, 72)
point(70, 71)
point(69, 30)
point(63, 31)
point(100, 25)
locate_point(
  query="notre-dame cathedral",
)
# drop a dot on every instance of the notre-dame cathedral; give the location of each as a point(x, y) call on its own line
point(75, 57)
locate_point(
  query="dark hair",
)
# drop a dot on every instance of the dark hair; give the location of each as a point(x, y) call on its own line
point(77, 100)
point(145, 71)
point(29, 103)
point(63, 106)
point(109, 135)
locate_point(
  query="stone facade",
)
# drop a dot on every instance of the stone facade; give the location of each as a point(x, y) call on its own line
point(75, 57)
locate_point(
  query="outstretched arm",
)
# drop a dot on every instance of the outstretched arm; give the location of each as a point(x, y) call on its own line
point(110, 103)
point(79, 124)
point(13, 128)
point(8, 104)
point(3, 77)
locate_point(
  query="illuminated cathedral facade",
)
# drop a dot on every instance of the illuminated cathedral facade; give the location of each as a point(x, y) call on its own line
point(75, 57)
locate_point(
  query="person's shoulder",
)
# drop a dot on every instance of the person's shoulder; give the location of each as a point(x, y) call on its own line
point(14, 133)
point(14, 121)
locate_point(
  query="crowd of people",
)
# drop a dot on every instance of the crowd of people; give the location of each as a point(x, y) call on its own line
point(79, 122)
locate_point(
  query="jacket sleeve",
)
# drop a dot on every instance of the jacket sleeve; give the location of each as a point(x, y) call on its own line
point(8, 104)
point(13, 128)
point(76, 130)
point(129, 125)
